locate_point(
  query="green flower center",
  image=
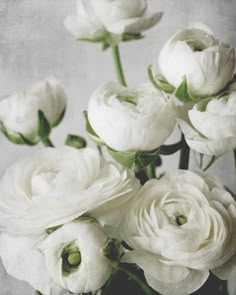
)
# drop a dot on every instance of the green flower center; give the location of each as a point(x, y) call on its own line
point(74, 259)
point(71, 259)
point(181, 219)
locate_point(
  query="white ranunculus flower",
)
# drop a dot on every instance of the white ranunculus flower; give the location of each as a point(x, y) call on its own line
point(19, 111)
point(210, 126)
point(56, 185)
point(75, 258)
point(23, 261)
point(180, 227)
point(195, 53)
point(131, 119)
point(96, 17)
point(72, 258)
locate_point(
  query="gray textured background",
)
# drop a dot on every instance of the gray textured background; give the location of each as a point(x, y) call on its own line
point(34, 45)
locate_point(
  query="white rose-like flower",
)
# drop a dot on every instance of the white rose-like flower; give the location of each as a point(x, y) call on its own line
point(131, 119)
point(75, 257)
point(56, 185)
point(195, 53)
point(180, 227)
point(96, 17)
point(210, 126)
point(19, 111)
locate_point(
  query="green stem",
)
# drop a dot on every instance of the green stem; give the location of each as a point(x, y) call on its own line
point(135, 278)
point(150, 171)
point(184, 154)
point(118, 65)
point(170, 149)
point(47, 142)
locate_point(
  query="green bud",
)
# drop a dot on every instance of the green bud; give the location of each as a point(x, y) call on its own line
point(75, 141)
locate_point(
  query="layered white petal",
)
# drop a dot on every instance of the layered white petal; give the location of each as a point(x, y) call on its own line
point(135, 25)
point(211, 129)
point(181, 227)
point(97, 17)
point(25, 262)
point(194, 53)
point(54, 186)
point(124, 120)
point(190, 284)
point(19, 111)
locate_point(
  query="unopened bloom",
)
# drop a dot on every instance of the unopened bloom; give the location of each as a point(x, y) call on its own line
point(131, 119)
point(180, 227)
point(19, 111)
point(210, 126)
point(194, 53)
point(97, 17)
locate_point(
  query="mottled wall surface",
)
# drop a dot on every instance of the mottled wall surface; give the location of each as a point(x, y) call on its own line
point(34, 44)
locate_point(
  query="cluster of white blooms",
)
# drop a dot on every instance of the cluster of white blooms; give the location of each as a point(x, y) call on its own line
point(64, 212)
point(209, 125)
point(53, 205)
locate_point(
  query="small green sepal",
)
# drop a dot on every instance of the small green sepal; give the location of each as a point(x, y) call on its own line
point(159, 82)
point(44, 127)
point(16, 138)
point(136, 160)
point(75, 141)
point(182, 92)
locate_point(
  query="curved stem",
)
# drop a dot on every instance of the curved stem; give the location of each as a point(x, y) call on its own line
point(135, 278)
point(47, 142)
point(170, 149)
point(118, 65)
point(184, 154)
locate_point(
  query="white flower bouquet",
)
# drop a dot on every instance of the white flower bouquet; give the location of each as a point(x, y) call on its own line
point(105, 220)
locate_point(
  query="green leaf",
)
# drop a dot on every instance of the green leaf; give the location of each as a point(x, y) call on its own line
point(159, 82)
point(44, 127)
point(135, 161)
point(182, 92)
point(91, 133)
point(75, 141)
